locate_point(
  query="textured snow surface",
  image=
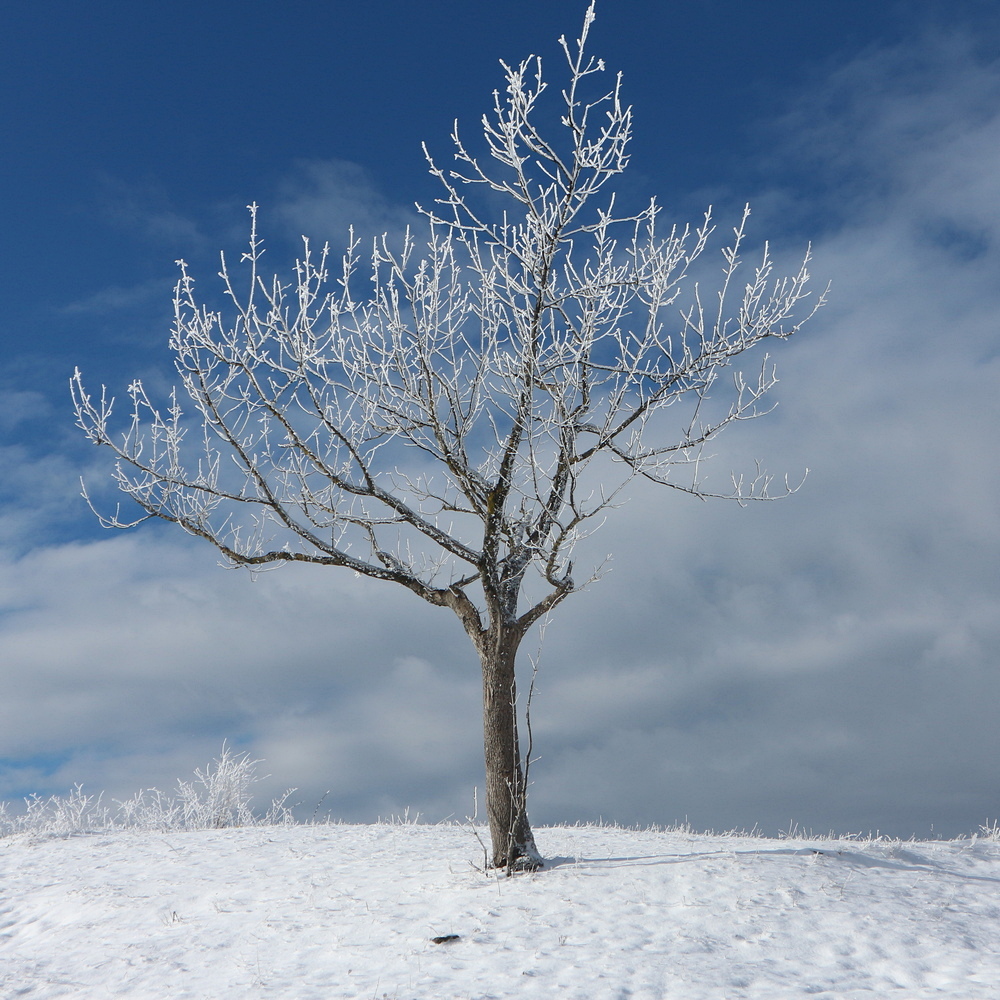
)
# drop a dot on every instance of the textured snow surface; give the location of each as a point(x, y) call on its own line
point(350, 911)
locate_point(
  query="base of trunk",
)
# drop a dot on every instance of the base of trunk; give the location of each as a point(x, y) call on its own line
point(521, 854)
point(522, 864)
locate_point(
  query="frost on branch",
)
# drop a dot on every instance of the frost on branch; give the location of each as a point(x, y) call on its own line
point(443, 425)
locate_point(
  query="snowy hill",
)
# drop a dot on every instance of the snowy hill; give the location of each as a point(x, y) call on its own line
point(325, 911)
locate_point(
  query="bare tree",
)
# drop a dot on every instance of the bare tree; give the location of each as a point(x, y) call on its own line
point(458, 427)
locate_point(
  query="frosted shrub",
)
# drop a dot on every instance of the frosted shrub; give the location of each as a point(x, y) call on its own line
point(218, 797)
point(149, 809)
point(58, 816)
point(990, 830)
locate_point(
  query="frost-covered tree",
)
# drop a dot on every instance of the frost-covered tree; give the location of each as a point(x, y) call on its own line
point(455, 419)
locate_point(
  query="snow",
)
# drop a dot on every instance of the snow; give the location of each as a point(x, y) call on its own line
point(322, 911)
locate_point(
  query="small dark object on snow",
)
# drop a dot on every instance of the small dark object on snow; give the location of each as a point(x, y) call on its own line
point(446, 939)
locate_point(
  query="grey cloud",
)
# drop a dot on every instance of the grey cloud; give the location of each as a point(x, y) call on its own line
point(832, 659)
point(122, 647)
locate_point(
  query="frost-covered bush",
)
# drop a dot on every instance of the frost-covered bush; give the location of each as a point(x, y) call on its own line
point(58, 816)
point(218, 797)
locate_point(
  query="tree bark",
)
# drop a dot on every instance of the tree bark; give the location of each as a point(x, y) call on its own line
point(506, 791)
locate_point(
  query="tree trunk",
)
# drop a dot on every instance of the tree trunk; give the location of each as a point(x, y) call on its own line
point(506, 791)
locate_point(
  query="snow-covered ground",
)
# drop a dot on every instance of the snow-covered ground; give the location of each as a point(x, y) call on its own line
point(330, 911)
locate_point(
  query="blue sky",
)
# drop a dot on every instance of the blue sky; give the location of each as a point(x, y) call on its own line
point(832, 660)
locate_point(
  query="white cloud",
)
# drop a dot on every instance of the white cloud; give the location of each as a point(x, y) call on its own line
point(146, 209)
point(323, 199)
point(154, 293)
point(20, 406)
